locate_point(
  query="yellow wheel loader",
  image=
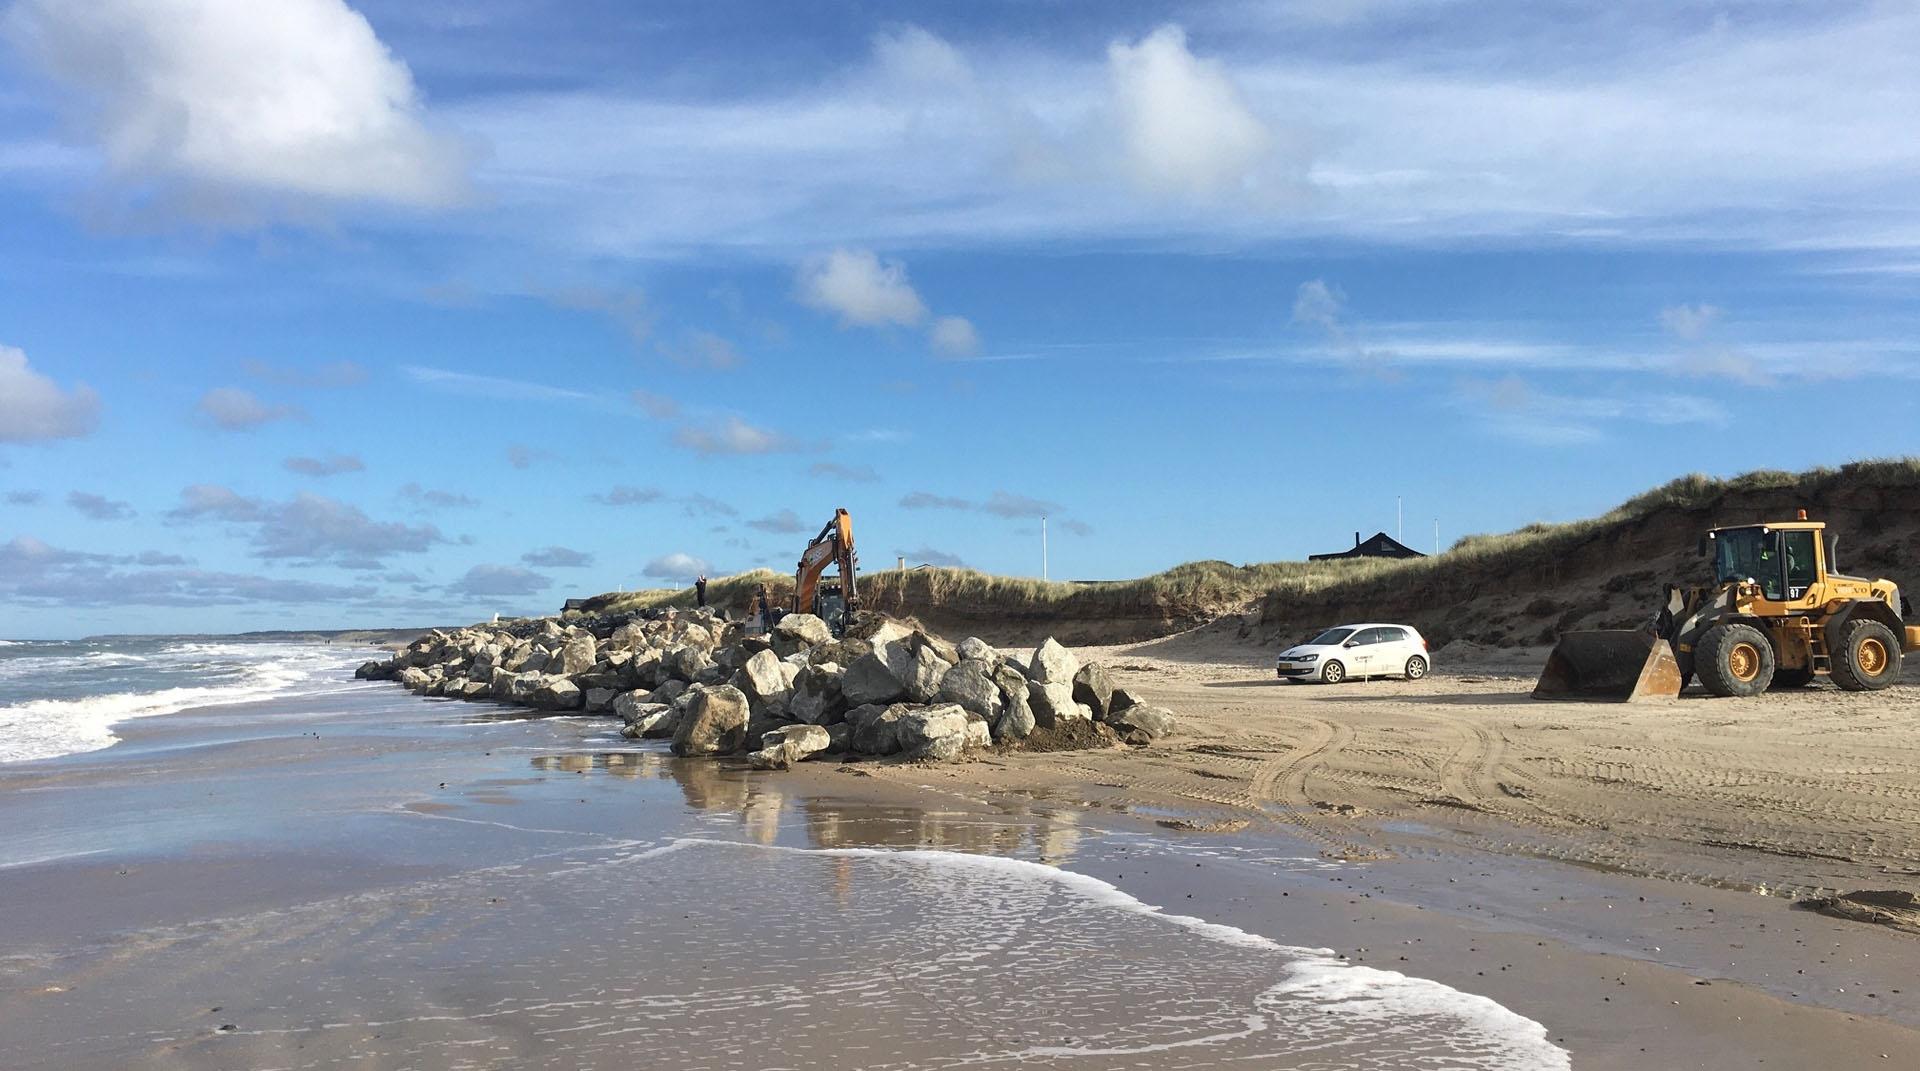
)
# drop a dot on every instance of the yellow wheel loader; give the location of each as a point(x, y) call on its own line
point(1776, 616)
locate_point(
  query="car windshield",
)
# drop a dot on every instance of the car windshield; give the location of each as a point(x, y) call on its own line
point(1331, 637)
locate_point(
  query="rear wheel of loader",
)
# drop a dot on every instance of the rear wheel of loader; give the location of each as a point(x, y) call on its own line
point(1868, 658)
point(1734, 660)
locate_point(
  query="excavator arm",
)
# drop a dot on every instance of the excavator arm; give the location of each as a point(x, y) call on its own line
point(832, 547)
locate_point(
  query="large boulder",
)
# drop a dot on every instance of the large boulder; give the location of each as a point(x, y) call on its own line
point(502, 683)
point(600, 700)
point(971, 685)
point(937, 733)
point(685, 663)
point(372, 671)
point(977, 648)
point(1121, 700)
point(1053, 664)
point(798, 632)
point(1052, 703)
point(1141, 723)
point(472, 690)
point(521, 687)
point(941, 648)
point(878, 630)
point(925, 674)
point(715, 722)
point(880, 677)
point(841, 652)
point(1093, 687)
point(577, 655)
point(413, 678)
point(783, 747)
point(557, 693)
point(765, 683)
point(816, 698)
point(668, 692)
point(1016, 713)
point(873, 728)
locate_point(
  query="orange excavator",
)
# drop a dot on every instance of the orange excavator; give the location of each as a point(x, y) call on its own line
point(832, 603)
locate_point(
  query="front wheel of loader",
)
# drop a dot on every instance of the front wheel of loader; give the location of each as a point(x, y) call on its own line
point(1868, 658)
point(1734, 660)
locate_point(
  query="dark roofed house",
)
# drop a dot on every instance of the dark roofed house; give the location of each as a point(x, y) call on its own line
point(1381, 545)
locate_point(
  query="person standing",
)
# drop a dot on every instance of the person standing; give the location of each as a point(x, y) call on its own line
point(700, 591)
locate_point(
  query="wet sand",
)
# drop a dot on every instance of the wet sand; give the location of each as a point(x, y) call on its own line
point(279, 875)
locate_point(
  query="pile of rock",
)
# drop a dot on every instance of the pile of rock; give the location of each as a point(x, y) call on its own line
point(884, 689)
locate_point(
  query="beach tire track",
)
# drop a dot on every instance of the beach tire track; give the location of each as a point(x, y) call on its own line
point(1282, 781)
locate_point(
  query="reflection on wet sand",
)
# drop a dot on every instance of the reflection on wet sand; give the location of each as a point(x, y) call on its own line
point(1015, 826)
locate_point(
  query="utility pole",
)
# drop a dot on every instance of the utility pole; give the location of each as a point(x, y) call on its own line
point(1436, 536)
point(1043, 547)
point(1399, 521)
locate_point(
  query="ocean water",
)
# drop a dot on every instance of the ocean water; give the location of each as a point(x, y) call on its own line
point(305, 871)
point(64, 697)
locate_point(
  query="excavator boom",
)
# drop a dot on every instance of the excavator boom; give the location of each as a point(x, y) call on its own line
point(832, 547)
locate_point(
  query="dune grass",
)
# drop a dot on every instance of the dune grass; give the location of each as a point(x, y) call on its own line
point(1200, 588)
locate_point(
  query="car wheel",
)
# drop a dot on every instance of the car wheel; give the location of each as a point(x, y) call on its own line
point(1416, 668)
point(1333, 673)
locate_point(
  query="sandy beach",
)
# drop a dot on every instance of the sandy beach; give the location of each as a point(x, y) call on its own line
point(370, 879)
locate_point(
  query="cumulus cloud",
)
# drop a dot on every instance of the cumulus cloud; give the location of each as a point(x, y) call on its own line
point(331, 374)
point(698, 505)
point(24, 498)
point(98, 507)
point(557, 558)
point(657, 406)
point(930, 556)
point(702, 349)
point(235, 110)
point(429, 498)
point(237, 410)
point(324, 466)
point(732, 435)
point(860, 288)
point(850, 473)
point(508, 580)
point(1079, 528)
point(627, 495)
point(929, 500)
point(785, 522)
point(1184, 126)
point(309, 527)
point(33, 408)
point(1007, 504)
point(36, 573)
point(954, 336)
point(677, 566)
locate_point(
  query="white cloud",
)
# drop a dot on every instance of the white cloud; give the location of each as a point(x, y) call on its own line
point(657, 406)
point(702, 349)
point(785, 522)
point(954, 336)
point(33, 408)
point(932, 556)
point(223, 101)
point(677, 566)
point(731, 435)
point(508, 580)
point(1512, 408)
point(1184, 126)
point(237, 410)
point(860, 288)
point(1689, 321)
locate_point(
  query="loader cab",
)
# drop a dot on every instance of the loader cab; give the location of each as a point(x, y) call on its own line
point(1786, 561)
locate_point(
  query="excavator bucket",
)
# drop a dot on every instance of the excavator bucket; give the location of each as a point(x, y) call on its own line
point(1616, 664)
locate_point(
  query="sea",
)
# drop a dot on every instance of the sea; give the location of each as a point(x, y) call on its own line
point(225, 853)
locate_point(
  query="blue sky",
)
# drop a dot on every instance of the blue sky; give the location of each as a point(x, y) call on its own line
point(316, 314)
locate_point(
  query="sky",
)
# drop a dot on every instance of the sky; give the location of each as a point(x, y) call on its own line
point(326, 314)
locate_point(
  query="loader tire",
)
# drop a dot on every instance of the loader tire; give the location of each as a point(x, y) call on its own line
point(1787, 679)
point(1734, 660)
point(1868, 657)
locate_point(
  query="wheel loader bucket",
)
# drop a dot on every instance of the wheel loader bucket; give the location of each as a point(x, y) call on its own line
point(1616, 664)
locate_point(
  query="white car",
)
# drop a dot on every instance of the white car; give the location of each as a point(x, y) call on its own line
point(1369, 650)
